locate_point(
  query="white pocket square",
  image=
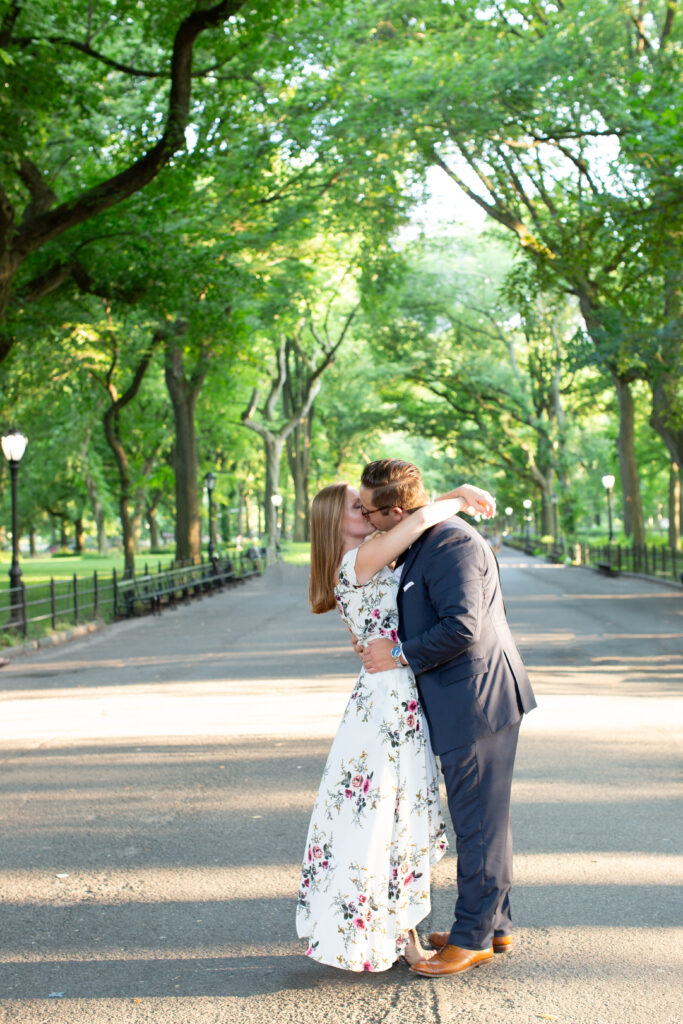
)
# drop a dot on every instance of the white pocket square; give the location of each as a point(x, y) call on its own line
point(409, 585)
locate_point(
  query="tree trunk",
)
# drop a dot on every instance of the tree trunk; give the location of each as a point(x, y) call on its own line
point(184, 392)
point(79, 545)
point(299, 458)
point(634, 523)
point(154, 540)
point(675, 497)
point(112, 433)
point(665, 415)
point(97, 511)
point(151, 513)
point(136, 526)
point(112, 430)
point(273, 445)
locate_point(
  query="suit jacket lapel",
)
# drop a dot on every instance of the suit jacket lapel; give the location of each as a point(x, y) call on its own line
point(411, 555)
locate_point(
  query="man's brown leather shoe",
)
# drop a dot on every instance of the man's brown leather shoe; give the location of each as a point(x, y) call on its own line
point(501, 943)
point(452, 960)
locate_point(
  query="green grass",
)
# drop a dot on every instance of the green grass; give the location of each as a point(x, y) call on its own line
point(41, 568)
point(296, 552)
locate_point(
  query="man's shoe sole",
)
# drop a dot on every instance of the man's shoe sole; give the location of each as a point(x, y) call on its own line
point(505, 948)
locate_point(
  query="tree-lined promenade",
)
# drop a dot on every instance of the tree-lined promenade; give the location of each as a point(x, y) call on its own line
point(158, 780)
point(211, 260)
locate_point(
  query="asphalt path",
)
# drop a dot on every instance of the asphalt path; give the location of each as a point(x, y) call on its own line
point(157, 779)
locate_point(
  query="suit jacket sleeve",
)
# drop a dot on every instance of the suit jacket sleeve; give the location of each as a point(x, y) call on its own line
point(453, 570)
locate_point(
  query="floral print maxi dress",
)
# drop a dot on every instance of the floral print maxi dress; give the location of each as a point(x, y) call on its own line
point(376, 828)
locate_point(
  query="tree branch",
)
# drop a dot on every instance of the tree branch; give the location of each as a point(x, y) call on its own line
point(668, 25)
point(115, 189)
point(41, 194)
point(8, 23)
point(127, 69)
point(278, 382)
point(496, 210)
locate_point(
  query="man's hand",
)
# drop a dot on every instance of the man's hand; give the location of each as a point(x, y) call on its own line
point(377, 655)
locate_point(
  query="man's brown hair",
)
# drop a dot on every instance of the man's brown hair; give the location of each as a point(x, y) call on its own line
point(394, 484)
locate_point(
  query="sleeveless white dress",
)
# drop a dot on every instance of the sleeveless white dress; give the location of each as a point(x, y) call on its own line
point(376, 828)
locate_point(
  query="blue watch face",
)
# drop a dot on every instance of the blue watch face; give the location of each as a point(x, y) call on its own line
point(396, 651)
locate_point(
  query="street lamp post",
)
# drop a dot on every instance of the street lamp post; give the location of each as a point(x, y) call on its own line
point(13, 447)
point(527, 505)
point(508, 512)
point(210, 483)
point(608, 484)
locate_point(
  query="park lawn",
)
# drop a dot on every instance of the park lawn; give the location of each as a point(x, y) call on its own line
point(296, 552)
point(41, 568)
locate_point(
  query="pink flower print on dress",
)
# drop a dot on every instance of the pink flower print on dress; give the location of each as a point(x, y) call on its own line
point(394, 635)
point(348, 793)
point(412, 705)
point(317, 852)
point(366, 785)
point(362, 898)
point(357, 781)
point(359, 923)
point(375, 613)
point(410, 721)
point(367, 966)
point(408, 879)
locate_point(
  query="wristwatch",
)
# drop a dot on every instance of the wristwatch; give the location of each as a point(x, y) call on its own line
point(397, 653)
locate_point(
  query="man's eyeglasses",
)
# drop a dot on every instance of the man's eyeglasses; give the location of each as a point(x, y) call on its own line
point(367, 512)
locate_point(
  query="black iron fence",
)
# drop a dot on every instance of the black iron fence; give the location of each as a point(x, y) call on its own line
point(648, 559)
point(36, 608)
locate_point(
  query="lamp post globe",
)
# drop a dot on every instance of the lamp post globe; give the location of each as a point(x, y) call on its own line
point(13, 448)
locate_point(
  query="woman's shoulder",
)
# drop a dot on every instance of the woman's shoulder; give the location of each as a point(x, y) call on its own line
point(347, 569)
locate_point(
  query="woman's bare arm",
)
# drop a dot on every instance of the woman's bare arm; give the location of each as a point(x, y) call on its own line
point(382, 549)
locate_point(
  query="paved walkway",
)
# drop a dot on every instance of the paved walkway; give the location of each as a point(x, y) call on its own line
point(157, 779)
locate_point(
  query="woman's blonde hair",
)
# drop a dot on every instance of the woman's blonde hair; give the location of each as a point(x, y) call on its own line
point(327, 518)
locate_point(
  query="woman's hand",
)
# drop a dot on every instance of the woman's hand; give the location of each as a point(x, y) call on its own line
point(477, 501)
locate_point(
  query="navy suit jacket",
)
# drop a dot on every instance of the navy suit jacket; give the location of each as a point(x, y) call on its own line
point(456, 638)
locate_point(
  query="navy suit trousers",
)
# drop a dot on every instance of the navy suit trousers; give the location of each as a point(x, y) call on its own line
point(478, 781)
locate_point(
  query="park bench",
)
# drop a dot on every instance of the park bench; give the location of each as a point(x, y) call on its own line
point(606, 568)
point(133, 594)
point(150, 592)
point(251, 563)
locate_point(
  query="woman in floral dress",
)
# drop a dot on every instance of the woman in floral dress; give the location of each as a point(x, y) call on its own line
point(376, 829)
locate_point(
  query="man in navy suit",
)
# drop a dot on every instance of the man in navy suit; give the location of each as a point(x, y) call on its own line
point(474, 690)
